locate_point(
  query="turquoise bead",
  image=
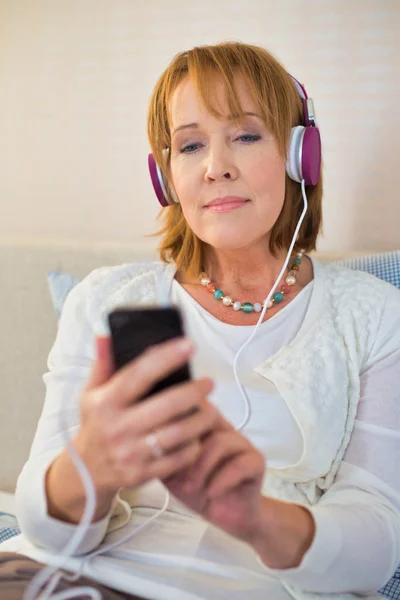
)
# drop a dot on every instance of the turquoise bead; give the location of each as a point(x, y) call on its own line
point(247, 307)
point(278, 297)
point(218, 294)
point(297, 261)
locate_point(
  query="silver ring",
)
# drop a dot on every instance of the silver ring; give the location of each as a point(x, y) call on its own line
point(152, 441)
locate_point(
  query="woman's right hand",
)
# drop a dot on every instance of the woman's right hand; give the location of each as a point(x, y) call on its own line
point(113, 430)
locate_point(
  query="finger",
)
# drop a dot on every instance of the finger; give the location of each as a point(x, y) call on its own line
point(103, 367)
point(177, 479)
point(170, 404)
point(187, 430)
point(137, 378)
point(135, 464)
point(171, 464)
point(247, 466)
point(224, 425)
point(217, 450)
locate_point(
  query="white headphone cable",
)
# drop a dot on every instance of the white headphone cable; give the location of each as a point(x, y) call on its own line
point(244, 395)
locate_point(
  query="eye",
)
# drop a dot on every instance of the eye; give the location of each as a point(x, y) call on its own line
point(189, 149)
point(247, 138)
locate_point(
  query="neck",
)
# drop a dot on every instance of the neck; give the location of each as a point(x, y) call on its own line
point(248, 272)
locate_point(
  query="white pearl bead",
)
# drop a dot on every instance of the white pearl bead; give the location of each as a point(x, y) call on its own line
point(236, 305)
point(290, 280)
point(227, 301)
point(205, 281)
point(257, 307)
point(270, 304)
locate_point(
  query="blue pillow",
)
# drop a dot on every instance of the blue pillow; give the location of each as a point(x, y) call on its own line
point(8, 526)
point(392, 588)
point(60, 284)
point(385, 265)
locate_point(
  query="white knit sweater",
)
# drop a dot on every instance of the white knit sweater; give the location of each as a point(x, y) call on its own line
point(352, 326)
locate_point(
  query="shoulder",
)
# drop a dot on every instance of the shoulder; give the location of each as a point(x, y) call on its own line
point(352, 288)
point(115, 276)
point(110, 279)
point(364, 304)
point(106, 287)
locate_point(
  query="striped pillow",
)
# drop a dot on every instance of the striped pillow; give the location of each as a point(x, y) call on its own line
point(8, 526)
point(385, 265)
point(392, 588)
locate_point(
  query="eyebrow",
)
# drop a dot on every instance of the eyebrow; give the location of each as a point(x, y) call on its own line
point(196, 125)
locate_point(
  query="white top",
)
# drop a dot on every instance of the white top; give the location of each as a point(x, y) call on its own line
point(357, 542)
point(271, 424)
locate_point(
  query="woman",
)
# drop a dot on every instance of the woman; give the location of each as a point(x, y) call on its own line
point(303, 500)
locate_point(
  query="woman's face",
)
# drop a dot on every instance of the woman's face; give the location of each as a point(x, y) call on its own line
point(215, 158)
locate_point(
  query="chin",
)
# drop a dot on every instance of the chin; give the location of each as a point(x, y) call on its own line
point(228, 242)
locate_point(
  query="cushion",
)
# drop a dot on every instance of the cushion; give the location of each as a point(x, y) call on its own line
point(60, 284)
point(8, 526)
point(386, 265)
point(392, 588)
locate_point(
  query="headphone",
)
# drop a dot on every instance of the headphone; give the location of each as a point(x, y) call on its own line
point(304, 157)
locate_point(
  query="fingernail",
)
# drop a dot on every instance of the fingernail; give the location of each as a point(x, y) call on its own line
point(102, 347)
point(185, 346)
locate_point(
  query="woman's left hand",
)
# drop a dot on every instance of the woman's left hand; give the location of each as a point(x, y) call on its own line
point(224, 484)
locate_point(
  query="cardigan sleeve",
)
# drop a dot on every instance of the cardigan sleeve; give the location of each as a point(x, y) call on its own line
point(69, 364)
point(357, 542)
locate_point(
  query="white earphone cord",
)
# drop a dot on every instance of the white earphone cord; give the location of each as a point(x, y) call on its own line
point(51, 575)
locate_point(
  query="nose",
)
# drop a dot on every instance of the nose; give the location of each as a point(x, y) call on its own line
point(220, 165)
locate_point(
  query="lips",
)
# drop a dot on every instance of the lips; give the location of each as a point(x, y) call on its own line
point(226, 200)
point(227, 206)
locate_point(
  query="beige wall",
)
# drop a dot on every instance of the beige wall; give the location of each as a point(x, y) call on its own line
point(76, 76)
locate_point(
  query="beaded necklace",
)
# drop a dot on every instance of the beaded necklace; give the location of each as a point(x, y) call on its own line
point(248, 307)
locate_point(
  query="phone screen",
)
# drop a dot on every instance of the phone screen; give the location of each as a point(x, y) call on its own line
point(135, 329)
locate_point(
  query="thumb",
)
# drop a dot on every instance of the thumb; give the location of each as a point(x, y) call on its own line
point(103, 366)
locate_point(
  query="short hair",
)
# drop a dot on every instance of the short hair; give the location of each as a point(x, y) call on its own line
point(281, 107)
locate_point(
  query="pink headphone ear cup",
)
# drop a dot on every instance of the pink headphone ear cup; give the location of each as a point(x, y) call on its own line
point(304, 156)
point(311, 156)
point(158, 181)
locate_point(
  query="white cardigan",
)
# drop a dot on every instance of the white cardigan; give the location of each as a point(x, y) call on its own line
point(352, 324)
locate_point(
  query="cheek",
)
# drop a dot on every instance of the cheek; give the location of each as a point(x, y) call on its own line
point(267, 176)
point(186, 186)
point(183, 181)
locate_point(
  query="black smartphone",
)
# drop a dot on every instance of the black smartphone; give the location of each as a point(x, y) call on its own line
point(135, 329)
